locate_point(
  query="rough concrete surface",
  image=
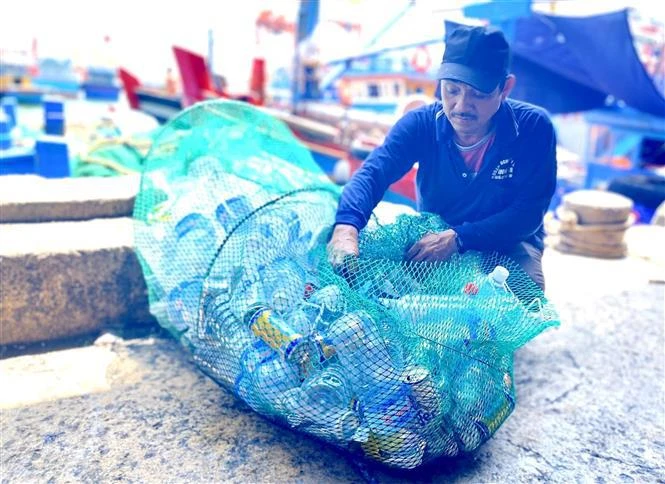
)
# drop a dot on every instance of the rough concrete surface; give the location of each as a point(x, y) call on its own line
point(31, 198)
point(63, 279)
point(590, 405)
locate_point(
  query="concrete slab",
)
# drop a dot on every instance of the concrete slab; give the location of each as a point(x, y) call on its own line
point(590, 408)
point(63, 279)
point(31, 198)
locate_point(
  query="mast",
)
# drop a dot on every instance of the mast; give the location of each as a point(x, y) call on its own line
point(308, 18)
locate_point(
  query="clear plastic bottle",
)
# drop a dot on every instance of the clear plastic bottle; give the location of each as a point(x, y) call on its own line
point(217, 324)
point(356, 341)
point(494, 285)
point(191, 251)
point(326, 304)
point(183, 304)
point(329, 388)
point(284, 284)
point(322, 406)
point(272, 378)
point(231, 211)
point(498, 312)
point(439, 318)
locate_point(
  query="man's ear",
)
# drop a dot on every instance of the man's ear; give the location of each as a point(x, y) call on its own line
point(508, 86)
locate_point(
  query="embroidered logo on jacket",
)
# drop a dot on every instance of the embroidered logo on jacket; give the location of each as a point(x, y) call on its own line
point(504, 169)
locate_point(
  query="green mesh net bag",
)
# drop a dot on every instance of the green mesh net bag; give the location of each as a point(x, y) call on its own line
point(400, 362)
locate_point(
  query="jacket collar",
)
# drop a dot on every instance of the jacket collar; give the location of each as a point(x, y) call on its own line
point(506, 124)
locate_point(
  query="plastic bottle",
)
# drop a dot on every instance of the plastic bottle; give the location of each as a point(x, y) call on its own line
point(322, 406)
point(499, 315)
point(284, 284)
point(492, 286)
point(300, 321)
point(231, 211)
point(183, 304)
point(328, 388)
point(191, 250)
point(437, 318)
point(326, 304)
point(472, 382)
point(272, 378)
point(217, 324)
point(355, 340)
point(251, 359)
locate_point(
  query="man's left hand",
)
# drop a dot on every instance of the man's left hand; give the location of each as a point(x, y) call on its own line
point(435, 247)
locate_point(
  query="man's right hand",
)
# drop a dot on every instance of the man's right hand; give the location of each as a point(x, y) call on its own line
point(343, 243)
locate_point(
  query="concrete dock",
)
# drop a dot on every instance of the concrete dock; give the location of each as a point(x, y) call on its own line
point(112, 398)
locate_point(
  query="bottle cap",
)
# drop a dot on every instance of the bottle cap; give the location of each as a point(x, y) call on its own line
point(499, 275)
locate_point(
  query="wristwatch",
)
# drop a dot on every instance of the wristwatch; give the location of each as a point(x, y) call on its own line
point(459, 243)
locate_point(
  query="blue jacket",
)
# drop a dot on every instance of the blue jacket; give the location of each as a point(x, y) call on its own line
point(502, 205)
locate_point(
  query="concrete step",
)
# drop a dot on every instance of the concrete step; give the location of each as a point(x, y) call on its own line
point(30, 198)
point(63, 279)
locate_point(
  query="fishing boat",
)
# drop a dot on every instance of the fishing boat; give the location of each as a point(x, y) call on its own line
point(160, 102)
point(57, 76)
point(16, 71)
point(339, 148)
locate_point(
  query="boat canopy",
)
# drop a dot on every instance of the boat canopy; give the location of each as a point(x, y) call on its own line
point(572, 64)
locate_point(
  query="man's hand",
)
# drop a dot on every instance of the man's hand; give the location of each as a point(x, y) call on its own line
point(435, 247)
point(343, 243)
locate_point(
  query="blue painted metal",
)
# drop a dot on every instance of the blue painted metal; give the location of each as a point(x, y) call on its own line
point(500, 13)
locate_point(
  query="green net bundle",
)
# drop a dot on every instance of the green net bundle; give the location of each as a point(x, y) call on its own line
point(400, 362)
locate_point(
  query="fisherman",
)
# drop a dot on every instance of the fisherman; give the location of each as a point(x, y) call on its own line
point(486, 163)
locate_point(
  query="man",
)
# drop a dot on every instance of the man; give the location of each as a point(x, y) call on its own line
point(486, 164)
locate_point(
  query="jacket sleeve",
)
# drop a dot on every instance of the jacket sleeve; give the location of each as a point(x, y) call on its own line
point(384, 166)
point(524, 216)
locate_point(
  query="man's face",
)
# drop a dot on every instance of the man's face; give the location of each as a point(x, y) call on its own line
point(468, 109)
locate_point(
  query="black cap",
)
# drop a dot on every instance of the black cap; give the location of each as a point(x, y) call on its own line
point(478, 56)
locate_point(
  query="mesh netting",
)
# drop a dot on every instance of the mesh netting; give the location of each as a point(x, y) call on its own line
point(400, 362)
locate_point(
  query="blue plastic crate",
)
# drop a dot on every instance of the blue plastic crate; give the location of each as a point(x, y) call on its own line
point(17, 161)
point(52, 160)
point(54, 125)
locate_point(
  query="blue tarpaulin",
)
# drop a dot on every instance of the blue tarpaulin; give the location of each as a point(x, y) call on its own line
point(572, 64)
